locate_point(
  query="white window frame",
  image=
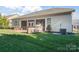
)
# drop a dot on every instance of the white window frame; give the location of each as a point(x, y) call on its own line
point(48, 21)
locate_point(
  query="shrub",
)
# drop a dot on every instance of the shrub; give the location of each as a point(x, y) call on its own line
point(49, 28)
point(4, 23)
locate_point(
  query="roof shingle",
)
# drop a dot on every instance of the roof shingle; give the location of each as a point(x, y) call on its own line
point(48, 11)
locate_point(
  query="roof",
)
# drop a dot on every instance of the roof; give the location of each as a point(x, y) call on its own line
point(75, 21)
point(48, 11)
point(12, 16)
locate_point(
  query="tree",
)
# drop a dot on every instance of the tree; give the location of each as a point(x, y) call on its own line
point(49, 28)
point(3, 22)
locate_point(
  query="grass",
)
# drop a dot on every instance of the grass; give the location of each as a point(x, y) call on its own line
point(11, 41)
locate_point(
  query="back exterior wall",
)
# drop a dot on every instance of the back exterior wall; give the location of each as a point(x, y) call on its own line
point(61, 21)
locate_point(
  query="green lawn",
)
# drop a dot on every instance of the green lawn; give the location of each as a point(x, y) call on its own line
point(14, 41)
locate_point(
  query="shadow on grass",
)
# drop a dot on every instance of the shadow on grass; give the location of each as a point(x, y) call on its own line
point(38, 42)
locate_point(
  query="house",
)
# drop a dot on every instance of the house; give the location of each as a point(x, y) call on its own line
point(10, 17)
point(75, 23)
point(57, 18)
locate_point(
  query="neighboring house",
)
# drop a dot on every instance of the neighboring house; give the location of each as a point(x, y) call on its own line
point(10, 17)
point(57, 18)
point(75, 23)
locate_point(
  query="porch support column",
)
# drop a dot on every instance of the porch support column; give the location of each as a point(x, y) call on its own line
point(27, 23)
point(45, 23)
point(35, 22)
point(20, 23)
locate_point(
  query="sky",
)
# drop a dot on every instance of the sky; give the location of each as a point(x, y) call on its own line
point(21, 7)
point(21, 10)
point(9, 7)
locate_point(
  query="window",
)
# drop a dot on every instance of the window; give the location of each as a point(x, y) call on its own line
point(38, 21)
point(15, 23)
point(49, 21)
point(30, 20)
point(31, 24)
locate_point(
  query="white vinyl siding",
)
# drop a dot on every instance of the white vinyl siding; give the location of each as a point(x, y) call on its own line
point(61, 21)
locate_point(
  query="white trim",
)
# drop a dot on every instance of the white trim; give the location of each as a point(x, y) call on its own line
point(45, 23)
point(20, 23)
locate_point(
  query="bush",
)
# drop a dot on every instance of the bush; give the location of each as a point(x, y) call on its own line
point(4, 23)
point(7, 28)
point(49, 28)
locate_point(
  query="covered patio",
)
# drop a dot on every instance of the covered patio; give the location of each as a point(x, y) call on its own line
point(29, 26)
